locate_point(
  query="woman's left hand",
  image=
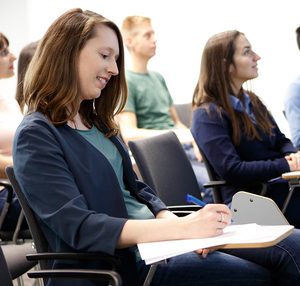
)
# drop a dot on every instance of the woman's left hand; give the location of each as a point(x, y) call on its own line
point(294, 161)
point(205, 251)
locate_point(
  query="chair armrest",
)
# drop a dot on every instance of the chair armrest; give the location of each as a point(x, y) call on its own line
point(184, 209)
point(10, 191)
point(113, 260)
point(265, 188)
point(108, 275)
point(216, 184)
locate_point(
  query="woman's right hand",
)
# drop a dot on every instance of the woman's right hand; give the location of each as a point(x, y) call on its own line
point(294, 161)
point(207, 222)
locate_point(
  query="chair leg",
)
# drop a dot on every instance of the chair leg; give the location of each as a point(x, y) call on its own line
point(17, 229)
point(20, 281)
point(152, 271)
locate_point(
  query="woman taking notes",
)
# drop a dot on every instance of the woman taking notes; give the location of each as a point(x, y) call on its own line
point(237, 133)
point(77, 175)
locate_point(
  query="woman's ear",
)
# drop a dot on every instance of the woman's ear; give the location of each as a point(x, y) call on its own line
point(230, 68)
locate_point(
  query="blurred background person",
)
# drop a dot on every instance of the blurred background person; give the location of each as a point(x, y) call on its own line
point(292, 105)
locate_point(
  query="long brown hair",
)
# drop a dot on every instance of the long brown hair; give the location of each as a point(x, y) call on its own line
point(51, 82)
point(215, 84)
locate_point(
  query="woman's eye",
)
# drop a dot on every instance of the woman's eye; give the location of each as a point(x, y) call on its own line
point(4, 52)
point(104, 56)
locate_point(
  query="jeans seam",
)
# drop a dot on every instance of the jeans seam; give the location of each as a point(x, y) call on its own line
point(294, 261)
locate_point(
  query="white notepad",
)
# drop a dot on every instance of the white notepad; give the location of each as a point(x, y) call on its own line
point(239, 236)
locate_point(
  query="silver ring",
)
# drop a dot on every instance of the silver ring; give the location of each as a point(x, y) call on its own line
point(223, 217)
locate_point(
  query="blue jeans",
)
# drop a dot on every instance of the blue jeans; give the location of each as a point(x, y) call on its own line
point(277, 265)
point(200, 173)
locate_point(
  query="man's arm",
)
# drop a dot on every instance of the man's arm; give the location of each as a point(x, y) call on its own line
point(180, 125)
point(128, 124)
point(292, 112)
point(176, 119)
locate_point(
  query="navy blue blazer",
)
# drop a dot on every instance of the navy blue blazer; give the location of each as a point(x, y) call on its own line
point(74, 191)
point(251, 160)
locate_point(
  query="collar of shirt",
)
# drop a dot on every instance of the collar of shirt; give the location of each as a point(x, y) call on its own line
point(238, 106)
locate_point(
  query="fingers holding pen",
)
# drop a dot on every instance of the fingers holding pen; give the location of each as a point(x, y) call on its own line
point(221, 213)
point(209, 221)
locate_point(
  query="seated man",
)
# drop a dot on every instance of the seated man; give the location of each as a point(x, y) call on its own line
point(149, 109)
point(292, 105)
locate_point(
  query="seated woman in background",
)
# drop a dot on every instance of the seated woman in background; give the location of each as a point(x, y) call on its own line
point(242, 140)
point(10, 118)
point(77, 175)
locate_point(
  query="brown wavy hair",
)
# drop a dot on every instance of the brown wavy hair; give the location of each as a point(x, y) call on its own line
point(215, 84)
point(51, 83)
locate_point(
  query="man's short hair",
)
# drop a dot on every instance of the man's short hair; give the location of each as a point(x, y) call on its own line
point(130, 25)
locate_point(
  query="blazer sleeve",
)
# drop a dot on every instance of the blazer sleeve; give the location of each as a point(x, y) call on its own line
point(212, 134)
point(51, 191)
point(283, 144)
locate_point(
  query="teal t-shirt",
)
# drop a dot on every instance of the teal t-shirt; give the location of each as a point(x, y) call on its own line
point(150, 99)
point(135, 209)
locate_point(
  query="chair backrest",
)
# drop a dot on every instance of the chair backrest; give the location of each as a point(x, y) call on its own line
point(184, 112)
point(165, 167)
point(217, 194)
point(39, 239)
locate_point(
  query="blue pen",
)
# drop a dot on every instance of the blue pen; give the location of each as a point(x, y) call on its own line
point(192, 199)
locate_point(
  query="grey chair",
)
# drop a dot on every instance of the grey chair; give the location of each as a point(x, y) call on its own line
point(216, 185)
point(17, 235)
point(165, 167)
point(5, 276)
point(17, 264)
point(42, 254)
point(185, 114)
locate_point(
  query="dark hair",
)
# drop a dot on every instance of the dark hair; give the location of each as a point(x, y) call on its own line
point(3, 41)
point(215, 84)
point(24, 60)
point(298, 37)
point(51, 81)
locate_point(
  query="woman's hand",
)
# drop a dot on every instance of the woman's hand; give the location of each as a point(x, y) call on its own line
point(205, 251)
point(208, 222)
point(293, 161)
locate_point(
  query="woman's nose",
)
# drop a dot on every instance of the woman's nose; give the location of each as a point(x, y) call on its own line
point(256, 57)
point(12, 57)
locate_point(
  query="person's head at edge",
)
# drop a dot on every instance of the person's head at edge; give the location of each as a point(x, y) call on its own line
point(6, 59)
point(23, 62)
point(298, 37)
point(139, 36)
point(58, 77)
point(227, 62)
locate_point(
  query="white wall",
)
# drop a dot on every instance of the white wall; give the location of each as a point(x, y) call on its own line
point(182, 29)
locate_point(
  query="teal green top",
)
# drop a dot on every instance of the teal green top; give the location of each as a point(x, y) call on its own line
point(150, 99)
point(135, 209)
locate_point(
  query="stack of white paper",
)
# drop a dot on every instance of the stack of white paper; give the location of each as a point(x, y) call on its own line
point(232, 234)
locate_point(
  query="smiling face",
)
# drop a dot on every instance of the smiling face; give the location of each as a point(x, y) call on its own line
point(245, 62)
point(6, 62)
point(97, 62)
